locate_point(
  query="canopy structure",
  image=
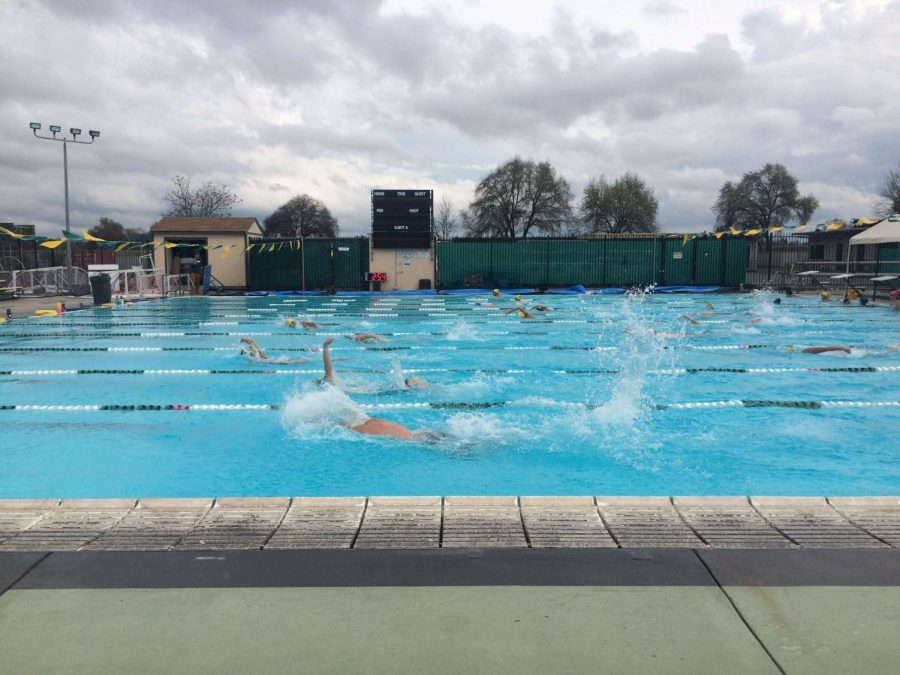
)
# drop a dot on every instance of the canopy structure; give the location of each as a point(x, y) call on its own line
point(885, 232)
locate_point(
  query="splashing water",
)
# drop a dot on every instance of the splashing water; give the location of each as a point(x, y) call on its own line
point(640, 350)
point(310, 410)
point(463, 330)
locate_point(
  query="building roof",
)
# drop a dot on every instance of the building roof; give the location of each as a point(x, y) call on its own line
point(191, 224)
point(886, 232)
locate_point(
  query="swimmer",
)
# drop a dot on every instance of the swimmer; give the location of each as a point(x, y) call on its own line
point(255, 353)
point(776, 301)
point(496, 292)
point(517, 297)
point(308, 325)
point(366, 337)
point(755, 321)
point(691, 319)
point(520, 312)
point(709, 305)
point(823, 350)
point(541, 308)
point(416, 382)
point(825, 295)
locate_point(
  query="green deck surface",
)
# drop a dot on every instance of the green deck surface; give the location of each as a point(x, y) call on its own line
point(377, 630)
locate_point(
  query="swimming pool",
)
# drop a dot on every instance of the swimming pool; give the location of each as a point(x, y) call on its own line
point(602, 395)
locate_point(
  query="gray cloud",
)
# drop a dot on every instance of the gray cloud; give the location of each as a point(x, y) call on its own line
point(333, 98)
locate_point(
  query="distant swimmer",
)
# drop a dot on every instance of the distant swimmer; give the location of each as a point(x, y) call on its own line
point(416, 382)
point(541, 308)
point(496, 292)
point(308, 325)
point(366, 337)
point(823, 350)
point(687, 317)
point(520, 312)
point(825, 295)
point(709, 305)
point(755, 321)
point(255, 353)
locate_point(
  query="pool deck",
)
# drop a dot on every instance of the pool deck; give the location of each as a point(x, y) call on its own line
point(449, 522)
point(451, 585)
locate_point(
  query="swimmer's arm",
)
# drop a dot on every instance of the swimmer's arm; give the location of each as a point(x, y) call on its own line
point(326, 361)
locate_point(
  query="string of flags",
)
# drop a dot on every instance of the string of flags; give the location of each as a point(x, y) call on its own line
point(149, 246)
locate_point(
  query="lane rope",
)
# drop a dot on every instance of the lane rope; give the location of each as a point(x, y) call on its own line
point(451, 405)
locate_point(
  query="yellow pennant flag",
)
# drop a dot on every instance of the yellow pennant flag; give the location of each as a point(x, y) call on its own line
point(801, 226)
point(752, 233)
point(90, 237)
point(52, 243)
point(225, 251)
point(169, 244)
point(122, 246)
point(686, 239)
point(11, 233)
point(773, 230)
point(836, 225)
point(719, 235)
point(271, 247)
point(736, 232)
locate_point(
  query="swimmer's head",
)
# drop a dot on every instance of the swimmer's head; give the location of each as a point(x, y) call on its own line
point(791, 348)
point(520, 313)
point(776, 301)
point(291, 322)
point(496, 292)
point(518, 297)
point(709, 305)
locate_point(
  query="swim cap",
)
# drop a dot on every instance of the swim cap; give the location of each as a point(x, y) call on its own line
point(520, 313)
point(518, 297)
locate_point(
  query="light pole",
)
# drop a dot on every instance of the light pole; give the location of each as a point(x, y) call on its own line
point(54, 129)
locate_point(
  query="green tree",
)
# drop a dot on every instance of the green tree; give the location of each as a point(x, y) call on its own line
point(626, 205)
point(889, 204)
point(302, 216)
point(112, 230)
point(519, 198)
point(762, 199)
point(207, 201)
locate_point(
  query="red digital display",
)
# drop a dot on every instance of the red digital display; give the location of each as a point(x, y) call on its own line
point(377, 276)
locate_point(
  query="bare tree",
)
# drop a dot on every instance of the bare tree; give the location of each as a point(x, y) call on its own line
point(207, 201)
point(762, 199)
point(520, 198)
point(626, 205)
point(445, 223)
point(302, 216)
point(890, 193)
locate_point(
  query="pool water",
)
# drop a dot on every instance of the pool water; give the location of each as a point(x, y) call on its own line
point(577, 401)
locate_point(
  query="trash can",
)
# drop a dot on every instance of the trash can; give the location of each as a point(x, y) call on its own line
point(101, 289)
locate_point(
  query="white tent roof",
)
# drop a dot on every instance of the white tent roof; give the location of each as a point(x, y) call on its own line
point(885, 232)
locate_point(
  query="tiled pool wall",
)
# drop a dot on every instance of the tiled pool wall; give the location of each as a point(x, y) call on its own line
point(449, 522)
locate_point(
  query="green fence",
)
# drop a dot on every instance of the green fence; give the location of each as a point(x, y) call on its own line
point(603, 261)
point(888, 259)
point(308, 264)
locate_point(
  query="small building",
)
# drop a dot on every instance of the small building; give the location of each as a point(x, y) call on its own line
point(220, 242)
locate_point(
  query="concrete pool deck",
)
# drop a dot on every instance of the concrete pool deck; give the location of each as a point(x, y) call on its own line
point(453, 611)
point(449, 522)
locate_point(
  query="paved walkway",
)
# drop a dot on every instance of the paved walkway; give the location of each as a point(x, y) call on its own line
point(450, 522)
point(452, 611)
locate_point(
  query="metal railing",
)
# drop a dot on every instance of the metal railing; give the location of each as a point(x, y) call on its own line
point(50, 281)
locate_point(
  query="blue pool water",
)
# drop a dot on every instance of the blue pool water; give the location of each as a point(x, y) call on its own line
point(583, 393)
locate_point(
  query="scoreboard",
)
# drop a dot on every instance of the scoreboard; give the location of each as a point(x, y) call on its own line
point(402, 218)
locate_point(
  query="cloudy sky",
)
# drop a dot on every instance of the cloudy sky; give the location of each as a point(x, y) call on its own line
point(334, 98)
